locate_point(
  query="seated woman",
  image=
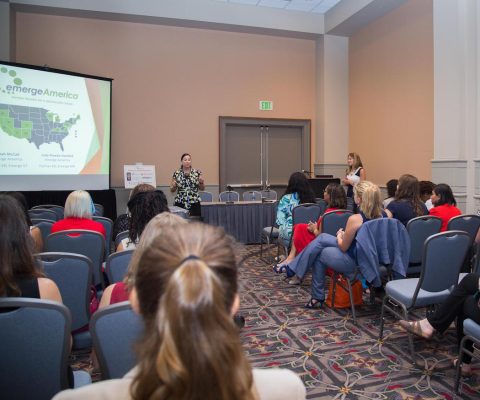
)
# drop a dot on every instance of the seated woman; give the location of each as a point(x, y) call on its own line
point(338, 252)
point(444, 204)
point(122, 222)
point(19, 276)
point(462, 303)
point(143, 207)
point(391, 189)
point(298, 192)
point(35, 231)
point(119, 292)
point(407, 203)
point(303, 234)
point(78, 213)
point(186, 291)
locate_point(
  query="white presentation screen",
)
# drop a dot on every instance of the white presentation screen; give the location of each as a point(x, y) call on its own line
point(54, 129)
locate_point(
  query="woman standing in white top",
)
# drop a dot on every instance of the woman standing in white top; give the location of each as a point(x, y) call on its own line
point(355, 173)
point(185, 288)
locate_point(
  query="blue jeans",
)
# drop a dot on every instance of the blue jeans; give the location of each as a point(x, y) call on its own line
point(334, 258)
point(305, 260)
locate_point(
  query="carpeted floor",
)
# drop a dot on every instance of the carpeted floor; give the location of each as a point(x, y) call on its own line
point(335, 359)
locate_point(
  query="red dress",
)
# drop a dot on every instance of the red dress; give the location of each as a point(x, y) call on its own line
point(446, 212)
point(78, 223)
point(302, 237)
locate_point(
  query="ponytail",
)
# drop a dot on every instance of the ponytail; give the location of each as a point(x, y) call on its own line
point(191, 347)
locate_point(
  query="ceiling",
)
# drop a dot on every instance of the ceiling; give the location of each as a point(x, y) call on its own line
point(311, 6)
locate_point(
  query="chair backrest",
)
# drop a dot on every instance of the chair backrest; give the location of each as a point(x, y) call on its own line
point(306, 212)
point(229, 196)
point(332, 221)
point(98, 210)
point(419, 229)
point(117, 265)
point(269, 194)
point(119, 238)
point(79, 241)
point(115, 329)
point(205, 197)
point(34, 344)
point(252, 195)
point(108, 225)
point(43, 213)
point(59, 210)
point(45, 226)
point(73, 275)
point(322, 203)
point(442, 260)
point(466, 222)
point(350, 203)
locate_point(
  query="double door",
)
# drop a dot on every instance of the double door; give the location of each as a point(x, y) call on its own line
point(259, 153)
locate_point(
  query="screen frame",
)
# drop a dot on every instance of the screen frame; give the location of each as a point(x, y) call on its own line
point(47, 68)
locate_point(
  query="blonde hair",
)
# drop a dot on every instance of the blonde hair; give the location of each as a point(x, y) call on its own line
point(186, 284)
point(153, 229)
point(371, 203)
point(357, 162)
point(79, 204)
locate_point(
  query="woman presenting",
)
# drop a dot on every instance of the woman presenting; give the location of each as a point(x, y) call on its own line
point(187, 181)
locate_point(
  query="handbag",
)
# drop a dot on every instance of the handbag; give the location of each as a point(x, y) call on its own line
point(342, 299)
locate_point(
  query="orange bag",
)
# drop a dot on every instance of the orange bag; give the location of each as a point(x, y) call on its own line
point(342, 299)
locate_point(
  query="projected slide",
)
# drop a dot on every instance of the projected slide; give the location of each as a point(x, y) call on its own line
point(53, 125)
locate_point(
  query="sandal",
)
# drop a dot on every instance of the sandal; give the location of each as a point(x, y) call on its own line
point(280, 268)
point(465, 369)
point(415, 328)
point(314, 303)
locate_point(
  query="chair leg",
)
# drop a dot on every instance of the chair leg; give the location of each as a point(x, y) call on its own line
point(382, 318)
point(352, 303)
point(458, 368)
point(334, 288)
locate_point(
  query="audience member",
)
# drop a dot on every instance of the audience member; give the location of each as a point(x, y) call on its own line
point(298, 192)
point(185, 289)
point(19, 276)
point(391, 189)
point(426, 188)
point(407, 203)
point(122, 222)
point(462, 303)
point(35, 231)
point(78, 213)
point(143, 207)
point(337, 252)
point(444, 204)
point(119, 292)
point(303, 234)
point(354, 174)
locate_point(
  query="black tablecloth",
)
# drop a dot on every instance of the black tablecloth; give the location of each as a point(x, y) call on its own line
point(243, 220)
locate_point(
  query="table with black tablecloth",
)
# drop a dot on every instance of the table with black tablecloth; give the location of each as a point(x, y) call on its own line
point(244, 220)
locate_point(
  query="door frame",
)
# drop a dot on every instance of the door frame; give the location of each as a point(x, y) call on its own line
point(225, 121)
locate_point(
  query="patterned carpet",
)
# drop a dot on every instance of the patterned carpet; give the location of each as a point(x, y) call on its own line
point(335, 359)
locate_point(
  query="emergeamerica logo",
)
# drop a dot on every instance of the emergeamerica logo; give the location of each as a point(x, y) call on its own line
point(18, 88)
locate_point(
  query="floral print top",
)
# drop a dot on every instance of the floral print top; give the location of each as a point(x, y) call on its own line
point(187, 187)
point(284, 214)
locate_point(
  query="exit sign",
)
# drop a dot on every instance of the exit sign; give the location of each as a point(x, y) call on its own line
point(265, 105)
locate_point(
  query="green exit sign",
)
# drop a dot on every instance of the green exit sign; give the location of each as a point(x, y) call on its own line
point(265, 105)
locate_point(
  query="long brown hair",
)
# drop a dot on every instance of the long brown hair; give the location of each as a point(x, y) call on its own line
point(16, 247)
point(186, 283)
point(357, 162)
point(409, 190)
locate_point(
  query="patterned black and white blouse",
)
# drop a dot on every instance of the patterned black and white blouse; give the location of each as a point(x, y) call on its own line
point(187, 187)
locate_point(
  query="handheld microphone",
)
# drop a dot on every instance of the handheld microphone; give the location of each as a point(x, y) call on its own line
point(307, 172)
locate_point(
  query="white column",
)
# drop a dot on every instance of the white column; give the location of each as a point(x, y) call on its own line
point(456, 49)
point(331, 144)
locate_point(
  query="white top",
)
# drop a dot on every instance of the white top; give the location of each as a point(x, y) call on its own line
point(127, 244)
point(429, 204)
point(271, 384)
point(354, 178)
